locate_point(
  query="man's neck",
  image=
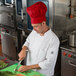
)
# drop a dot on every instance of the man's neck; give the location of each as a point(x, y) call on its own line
point(44, 31)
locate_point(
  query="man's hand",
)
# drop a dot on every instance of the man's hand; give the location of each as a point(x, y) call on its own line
point(26, 68)
point(22, 54)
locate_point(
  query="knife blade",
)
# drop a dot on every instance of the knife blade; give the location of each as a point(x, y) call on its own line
point(18, 65)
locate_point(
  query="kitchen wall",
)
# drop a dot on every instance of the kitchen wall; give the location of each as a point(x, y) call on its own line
point(62, 21)
point(64, 24)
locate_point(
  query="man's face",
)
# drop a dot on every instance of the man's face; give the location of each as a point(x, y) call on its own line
point(37, 27)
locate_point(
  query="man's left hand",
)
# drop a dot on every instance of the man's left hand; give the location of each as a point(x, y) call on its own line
point(24, 68)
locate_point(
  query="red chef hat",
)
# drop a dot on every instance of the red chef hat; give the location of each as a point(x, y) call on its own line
point(37, 12)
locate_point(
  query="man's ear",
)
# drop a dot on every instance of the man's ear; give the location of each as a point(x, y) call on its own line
point(43, 23)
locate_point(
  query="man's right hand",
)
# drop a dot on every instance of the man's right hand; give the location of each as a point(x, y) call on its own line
point(22, 54)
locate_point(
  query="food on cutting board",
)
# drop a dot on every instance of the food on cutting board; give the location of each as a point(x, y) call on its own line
point(6, 73)
point(19, 75)
point(2, 64)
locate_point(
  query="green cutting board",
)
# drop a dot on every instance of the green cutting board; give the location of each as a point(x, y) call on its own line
point(27, 73)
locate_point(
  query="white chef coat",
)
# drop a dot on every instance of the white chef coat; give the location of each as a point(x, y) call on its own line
point(42, 50)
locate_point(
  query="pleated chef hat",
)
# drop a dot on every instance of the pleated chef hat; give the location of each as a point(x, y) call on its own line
point(37, 12)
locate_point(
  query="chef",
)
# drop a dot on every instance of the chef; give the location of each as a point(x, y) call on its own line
point(42, 44)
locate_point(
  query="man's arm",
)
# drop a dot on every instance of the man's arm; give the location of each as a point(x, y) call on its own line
point(26, 68)
point(24, 48)
point(36, 66)
point(22, 53)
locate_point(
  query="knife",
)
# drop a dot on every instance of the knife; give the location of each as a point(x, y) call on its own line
point(18, 65)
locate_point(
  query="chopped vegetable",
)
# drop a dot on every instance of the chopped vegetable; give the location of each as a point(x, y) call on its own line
point(6, 73)
point(2, 64)
point(19, 75)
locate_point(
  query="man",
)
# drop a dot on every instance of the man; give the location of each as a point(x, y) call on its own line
point(42, 44)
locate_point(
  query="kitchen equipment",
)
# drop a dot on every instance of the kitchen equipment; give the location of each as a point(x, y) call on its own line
point(18, 65)
point(68, 61)
point(72, 39)
point(27, 73)
point(8, 42)
point(4, 60)
point(72, 8)
point(3, 64)
point(7, 16)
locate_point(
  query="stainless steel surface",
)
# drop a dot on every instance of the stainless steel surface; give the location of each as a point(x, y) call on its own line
point(61, 7)
point(73, 8)
point(62, 21)
point(6, 16)
point(11, 2)
point(23, 15)
point(8, 46)
point(68, 62)
point(72, 64)
point(68, 48)
point(1, 2)
point(72, 39)
point(51, 12)
point(6, 9)
point(6, 19)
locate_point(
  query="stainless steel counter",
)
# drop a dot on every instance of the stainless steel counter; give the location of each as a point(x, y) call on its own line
point(68, 48)
point(68, 60)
